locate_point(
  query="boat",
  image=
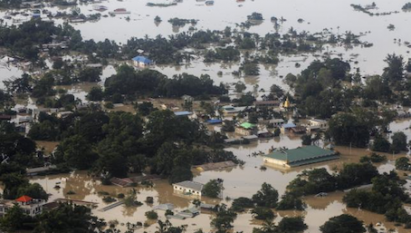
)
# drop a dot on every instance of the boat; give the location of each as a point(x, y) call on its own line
point(209, 3)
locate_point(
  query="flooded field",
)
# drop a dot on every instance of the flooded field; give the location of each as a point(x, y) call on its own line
point(240, 181)
point(318, 15)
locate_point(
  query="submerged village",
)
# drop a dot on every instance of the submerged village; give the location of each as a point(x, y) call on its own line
point(218, 116)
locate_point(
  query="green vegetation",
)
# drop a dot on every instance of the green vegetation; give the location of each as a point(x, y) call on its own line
point(16, 220)
point(10, 3)
point(289, 201)
point(176, 22)
point(403, 164)
point(386, 197)
point(255, 16)
point(262, 213)
point(113, 143)
point(319, 180)
point(241, 203)
point(167, 227)
point(250, 68)
point(152, 215)
point(374, 158)
point(224, 219)
point(212, 188)
point(267, 196)
point(229, 53)
point(161, 4)
point(344, 223)
point(407, 6)
point(286, 225)
point(65, 216)
point(134, 84)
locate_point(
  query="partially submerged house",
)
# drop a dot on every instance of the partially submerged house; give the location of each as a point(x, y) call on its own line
point(30, 206)
point(299, 156)
point(276, 122)
point(40, 170)
point(188, 188)
point(229, 109)
point(246, 129)
point(183, 113)
point(214, 121)
point(317, 124)
point(215, 166)
point(167, 206)
point(285, 128)
point(142, 62)
point(298, 130)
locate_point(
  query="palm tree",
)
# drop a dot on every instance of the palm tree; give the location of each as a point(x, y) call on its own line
point(268, 227)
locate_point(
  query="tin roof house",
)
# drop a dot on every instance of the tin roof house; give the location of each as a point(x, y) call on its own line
point(142, 62)
point(299, 156)
point(188, 188)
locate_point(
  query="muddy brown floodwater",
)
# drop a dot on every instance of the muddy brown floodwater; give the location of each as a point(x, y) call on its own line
point(239, 181)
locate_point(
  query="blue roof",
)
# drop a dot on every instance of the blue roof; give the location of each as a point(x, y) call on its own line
point(214, 121)
point(183, 113)
point(289, 125)
point(142, 59)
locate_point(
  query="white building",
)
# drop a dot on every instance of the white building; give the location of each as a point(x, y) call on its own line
point(188, 188)
point(276, 122)
point(317, 124)
point(29, 205)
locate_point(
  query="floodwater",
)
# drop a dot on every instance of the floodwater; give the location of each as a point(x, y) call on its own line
point(317, 15)
point(337, 16)
point(238, 182)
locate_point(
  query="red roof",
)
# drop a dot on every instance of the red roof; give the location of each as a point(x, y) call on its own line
point(24, 199)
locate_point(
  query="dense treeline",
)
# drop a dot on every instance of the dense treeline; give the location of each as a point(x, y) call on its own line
point(386, 197)
point(118, 143)
point(133, 84)
point(10, 3)
point(319, 180)
point(18, 152)
point(65, 216)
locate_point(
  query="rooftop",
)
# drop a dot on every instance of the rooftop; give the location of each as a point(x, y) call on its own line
point(183, 113)
point(191, 185)
point(247, 125)
point(214, 121)
point(142, 59)
point(301, 155)
point(24, 199)
point(289, 125)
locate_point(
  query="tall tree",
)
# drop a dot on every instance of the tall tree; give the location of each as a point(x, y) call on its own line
point(343, 224)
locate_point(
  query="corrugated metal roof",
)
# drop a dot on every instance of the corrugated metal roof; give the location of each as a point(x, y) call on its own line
point(142, 59)
point(295, 156)
point(190, 184)
point(183, 113)
point(247, 125)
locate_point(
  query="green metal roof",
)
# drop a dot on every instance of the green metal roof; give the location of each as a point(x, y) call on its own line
point(303, 155)
point(247, 125)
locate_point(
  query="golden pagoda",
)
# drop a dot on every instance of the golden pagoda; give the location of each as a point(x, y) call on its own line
point(286, 104)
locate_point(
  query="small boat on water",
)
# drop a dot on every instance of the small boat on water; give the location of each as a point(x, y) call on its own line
point(209, 3)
